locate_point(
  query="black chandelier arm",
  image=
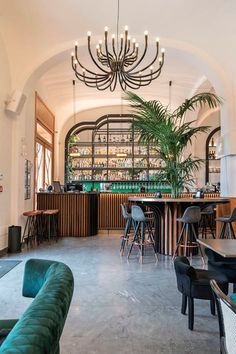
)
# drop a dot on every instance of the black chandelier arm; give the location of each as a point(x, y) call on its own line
point(139, 82)
point(124, 50)
point(150, 64)
point(108, 83)
point(114, 49)
point(142, 56)
point(102, 57)
point(151, 73)
point(129, 61)
point(92, 57)
point(121, 81)
point(107, 52)
point(147, 66)
point(129, 83)
point(82, 66)
point(121, 46)
point(134, 85)
point(90, 81)
point(144, 78)
point(128, 47)
point(132, 54)
point(101, 76)
point(112, 87)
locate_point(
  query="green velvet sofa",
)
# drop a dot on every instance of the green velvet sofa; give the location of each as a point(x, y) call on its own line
point(39, 329)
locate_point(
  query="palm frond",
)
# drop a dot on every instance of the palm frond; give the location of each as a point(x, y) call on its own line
point(198, 100)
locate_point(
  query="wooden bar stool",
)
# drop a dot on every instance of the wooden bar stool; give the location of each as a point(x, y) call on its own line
point(32, 227)
point(51, 224)
point(227, 230)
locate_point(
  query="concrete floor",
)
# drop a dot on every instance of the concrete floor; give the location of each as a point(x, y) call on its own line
point(118, 306)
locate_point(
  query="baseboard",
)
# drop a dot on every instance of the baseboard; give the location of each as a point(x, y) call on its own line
point(3, 252)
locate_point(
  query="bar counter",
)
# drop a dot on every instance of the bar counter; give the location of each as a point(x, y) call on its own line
point(84, 214)
point(77, 212)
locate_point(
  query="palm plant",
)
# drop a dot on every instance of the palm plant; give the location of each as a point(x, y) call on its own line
point(169, 134)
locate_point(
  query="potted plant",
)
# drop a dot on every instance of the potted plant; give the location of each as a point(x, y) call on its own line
point(169, 134)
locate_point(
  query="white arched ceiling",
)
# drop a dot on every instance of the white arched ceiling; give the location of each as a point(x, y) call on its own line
point(39, 36)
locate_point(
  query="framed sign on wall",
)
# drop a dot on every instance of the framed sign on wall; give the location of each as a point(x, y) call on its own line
point(28, 167)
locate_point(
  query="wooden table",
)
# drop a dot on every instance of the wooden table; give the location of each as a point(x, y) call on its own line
point(226, 248)
point(166, 211)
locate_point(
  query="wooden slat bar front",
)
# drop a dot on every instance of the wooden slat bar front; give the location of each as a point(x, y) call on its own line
point(77, 212)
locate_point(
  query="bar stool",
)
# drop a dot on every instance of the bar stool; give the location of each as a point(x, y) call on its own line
point(51, 224)
point(32, 226)
point(227, 223)
point(191, 217)
point(128, 222)
point(141, 226)
point(206, 222)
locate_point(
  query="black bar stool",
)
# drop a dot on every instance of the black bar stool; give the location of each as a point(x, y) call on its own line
point(206, 224)
point(128, 223)
point(227, 225)
point(51, 224)
point(142, 225)
point(190, 218)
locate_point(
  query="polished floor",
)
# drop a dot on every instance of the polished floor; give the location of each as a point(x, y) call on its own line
point(118, 306)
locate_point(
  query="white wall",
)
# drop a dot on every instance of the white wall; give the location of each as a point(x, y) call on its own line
point(6, 126)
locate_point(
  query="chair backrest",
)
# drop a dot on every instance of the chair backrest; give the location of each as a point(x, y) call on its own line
point(192, 215)
point(233, 215)
point(137, 213)
point(124, 211)
point(184, 274)
point(209, 210)
point(39, 328)
point(227, 319)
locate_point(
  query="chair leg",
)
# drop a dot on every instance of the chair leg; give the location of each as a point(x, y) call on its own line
point(213, 309)
point(142, 240)
point(184, 304)
point(178, 242)
point(222, 230)
point(135, 239)
point(186, 240)
point(199, 247)
point(232, 231)
point(190, 313)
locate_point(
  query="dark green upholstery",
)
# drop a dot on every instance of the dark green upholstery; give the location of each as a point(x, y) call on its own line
point(39, 329)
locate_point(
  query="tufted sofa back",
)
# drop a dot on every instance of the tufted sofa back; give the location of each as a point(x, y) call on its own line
point(39, 329)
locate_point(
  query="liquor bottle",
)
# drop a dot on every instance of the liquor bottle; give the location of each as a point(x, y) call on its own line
point(99, 138)
point(212, 142)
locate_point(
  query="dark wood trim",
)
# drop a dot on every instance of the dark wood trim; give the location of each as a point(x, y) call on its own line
point(207, 152)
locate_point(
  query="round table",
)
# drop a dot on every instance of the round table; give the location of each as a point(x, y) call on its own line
point(166, 211)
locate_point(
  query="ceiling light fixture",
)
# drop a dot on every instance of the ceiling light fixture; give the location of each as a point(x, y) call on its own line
point(118, 62)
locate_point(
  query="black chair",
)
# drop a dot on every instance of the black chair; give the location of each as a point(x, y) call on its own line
point(226, 266)
point(227, 230)
point(226, 310)
point(195, 284)
point(190, 218)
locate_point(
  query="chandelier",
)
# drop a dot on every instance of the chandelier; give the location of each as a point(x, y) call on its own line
point(118, 62)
